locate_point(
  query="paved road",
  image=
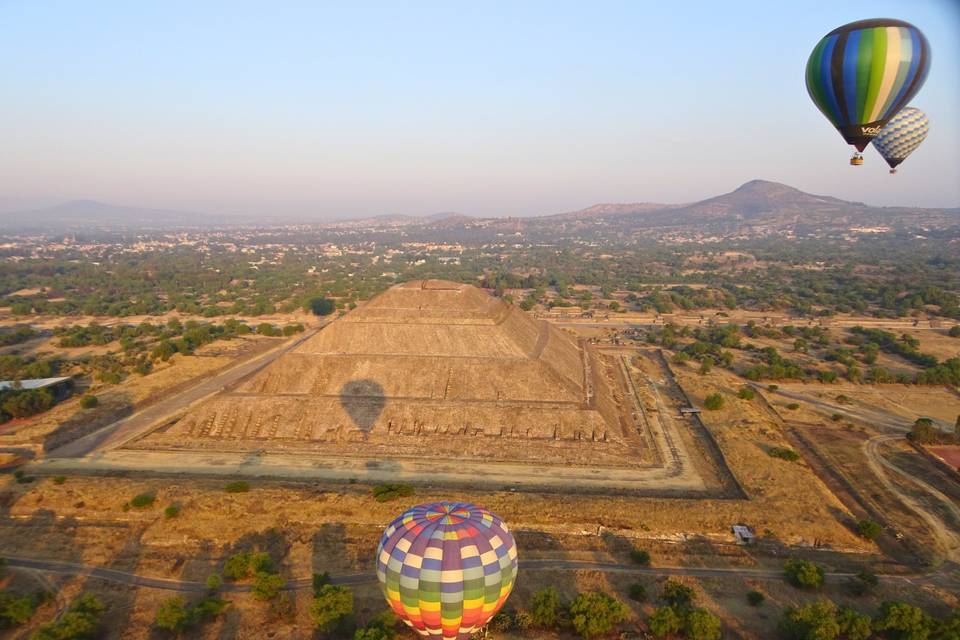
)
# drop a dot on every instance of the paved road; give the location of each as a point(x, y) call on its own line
point(188, 586)
point(121, 431)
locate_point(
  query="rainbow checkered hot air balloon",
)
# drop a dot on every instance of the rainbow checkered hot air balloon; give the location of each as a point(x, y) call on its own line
point(861, 74)
point(901, 136)
point(446, 568)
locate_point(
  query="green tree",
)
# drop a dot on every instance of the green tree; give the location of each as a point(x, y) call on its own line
point(702, 625)
point(755, 598)
point(814, 621)
point(804, 574)
point(319, 306)
point(545, 608)
point(595, 613)
point(902, 621)
point(853, 624)
point(665, 621)
point(640, 557)
point(172, 614)
point(676, 594)
point(746, 393)
point(266, 585)
point(332, 609)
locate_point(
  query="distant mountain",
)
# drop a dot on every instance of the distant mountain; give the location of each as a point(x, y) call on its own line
point(760, 203)
point(91, 215)
point(611, 210)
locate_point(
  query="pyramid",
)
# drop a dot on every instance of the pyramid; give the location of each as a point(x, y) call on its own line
point(427, 368)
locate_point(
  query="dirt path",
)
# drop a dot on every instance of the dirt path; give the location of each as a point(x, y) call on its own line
point(124, 430)
point(945, 535)
point(548, 564)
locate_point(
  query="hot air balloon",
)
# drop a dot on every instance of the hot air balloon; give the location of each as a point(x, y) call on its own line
point(901, 136)
point(863, 73)
point(446, 568)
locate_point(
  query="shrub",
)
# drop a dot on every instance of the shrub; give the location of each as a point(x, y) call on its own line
point(332, 610)
point(638, 592)
point(837, 417)
point(702, 625)
point(665, 621)
point(214, 582)
point(143, 500)
point(640, 556)
point(676, 594)
point(503, 621)
point(266, 585)
point(869, 529)
point(522, 620)
point(755, 598)
point(172, 511)
point(713, 402)
point(237, 486)
point(784, 454)
point(545, 608)
point(954, 331)
point(803, 574)
point(793, 406)
point(862, 583)
point(772, 387)
point(15, 610)
point(174, 614)
point(320, 580)
point(391, 491)
point(89, 402)
point(237, 566)
point(59, 479)
point(746, 393)
point(81, 620)
point(595, 613)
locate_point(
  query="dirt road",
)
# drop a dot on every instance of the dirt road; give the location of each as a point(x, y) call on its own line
point(117, 433)
point(948, 538)
point(171, 584)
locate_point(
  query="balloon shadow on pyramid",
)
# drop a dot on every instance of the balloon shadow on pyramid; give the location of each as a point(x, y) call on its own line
point(363, 400)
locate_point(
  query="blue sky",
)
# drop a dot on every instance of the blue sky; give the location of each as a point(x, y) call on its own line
point(512, 108)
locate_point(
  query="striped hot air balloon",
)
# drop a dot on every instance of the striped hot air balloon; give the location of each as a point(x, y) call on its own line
point(446, 568)
point(863, 73)
point(901, 136)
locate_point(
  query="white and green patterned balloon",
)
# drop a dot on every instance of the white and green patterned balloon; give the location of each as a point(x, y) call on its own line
point(901, 136)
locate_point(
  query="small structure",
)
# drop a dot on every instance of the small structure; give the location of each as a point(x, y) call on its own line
point(743, 533)
point(689, 411)
point(59, 387)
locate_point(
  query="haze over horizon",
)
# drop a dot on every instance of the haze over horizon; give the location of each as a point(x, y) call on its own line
point(542, 108)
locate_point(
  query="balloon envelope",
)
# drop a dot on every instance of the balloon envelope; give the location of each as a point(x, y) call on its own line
point(902, 135)
point(863, 73)
point(446, 568)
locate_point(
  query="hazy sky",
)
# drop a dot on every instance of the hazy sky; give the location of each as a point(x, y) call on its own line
point(487, 108)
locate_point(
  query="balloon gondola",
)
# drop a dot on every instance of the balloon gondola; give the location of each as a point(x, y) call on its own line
point(862, 74)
